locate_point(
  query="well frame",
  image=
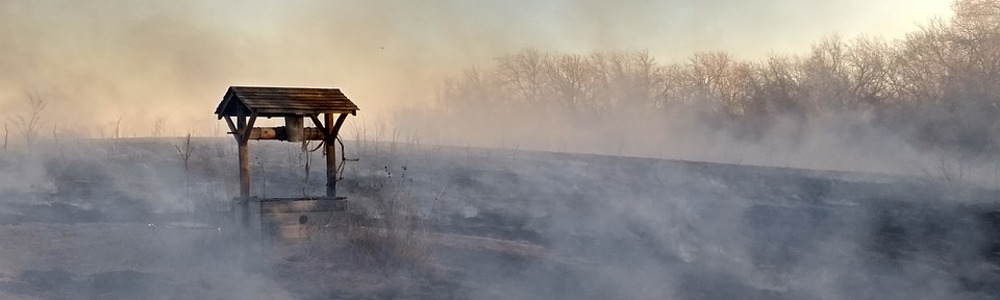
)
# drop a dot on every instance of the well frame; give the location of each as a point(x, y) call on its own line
point(327, 108)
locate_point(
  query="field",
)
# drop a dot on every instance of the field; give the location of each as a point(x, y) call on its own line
point(128, 219)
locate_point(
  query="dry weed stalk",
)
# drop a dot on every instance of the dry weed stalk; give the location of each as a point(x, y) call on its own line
point(185, 153)
point(385, 231)
point(116, 137)
point(185, 156)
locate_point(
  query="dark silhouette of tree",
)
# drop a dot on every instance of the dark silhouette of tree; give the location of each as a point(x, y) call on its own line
point(938, 87)
point(30, 122)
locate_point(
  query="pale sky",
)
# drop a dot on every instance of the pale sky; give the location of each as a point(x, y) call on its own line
point(100, 60)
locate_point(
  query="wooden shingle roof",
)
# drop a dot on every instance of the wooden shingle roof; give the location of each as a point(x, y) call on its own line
point(282, 101)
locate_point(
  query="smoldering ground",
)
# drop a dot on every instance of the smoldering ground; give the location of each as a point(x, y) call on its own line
point(107, 219)
point(637, 228)
point(500, 224)
point(124, 218)
point(822, 110)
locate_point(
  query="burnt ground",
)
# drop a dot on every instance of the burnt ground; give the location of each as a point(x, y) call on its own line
point(131, 223)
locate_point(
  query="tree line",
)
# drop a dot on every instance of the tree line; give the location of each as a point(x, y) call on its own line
point(939, 85)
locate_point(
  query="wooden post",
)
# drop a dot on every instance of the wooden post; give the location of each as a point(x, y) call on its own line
point(244, 149)
point(333, 128)
point(331, 157)
point(241, 124)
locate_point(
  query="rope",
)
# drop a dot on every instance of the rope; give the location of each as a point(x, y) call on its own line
point(305, 149)
point(343, 159)
point(305, 146)
point(343, 155)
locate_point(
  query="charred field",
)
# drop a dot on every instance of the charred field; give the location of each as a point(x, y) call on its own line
point(596, 149)
point(124, 219)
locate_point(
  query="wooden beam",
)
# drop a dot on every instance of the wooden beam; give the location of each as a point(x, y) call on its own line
point(244, 155)
point(278, 133)
point(281, 111)
point(331, 159)
point(319, 125)
point(232, 129)
point(245, 133)
point(331, 152)
point(336, 128)
point(221, 110)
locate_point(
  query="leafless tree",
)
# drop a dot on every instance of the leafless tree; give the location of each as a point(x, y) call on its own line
point(118, 127)
point(185, 152)
point(572, 81)
point(30, 122)
point(868, 63)
point(939, 86)
point(923, 64)
point(158, 126)
point(6, 135)
point(826, 76)
point(977, 15)
point(718, 78)
point(631, 79)
point(474, 90)
point(523, 75)
point(185, 156)
point(777, 90)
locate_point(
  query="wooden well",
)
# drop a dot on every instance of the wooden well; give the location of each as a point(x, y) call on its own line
point(326, 108)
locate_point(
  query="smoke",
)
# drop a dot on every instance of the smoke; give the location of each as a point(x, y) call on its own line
point(613, 227)
point(636, 228)
point(100, 61)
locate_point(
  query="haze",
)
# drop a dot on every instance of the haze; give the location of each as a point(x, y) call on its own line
point(97, 61)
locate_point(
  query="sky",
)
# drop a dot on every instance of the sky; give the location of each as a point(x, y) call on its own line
point(96, 62)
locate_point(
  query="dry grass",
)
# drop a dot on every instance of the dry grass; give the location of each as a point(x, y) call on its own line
point(384, 230)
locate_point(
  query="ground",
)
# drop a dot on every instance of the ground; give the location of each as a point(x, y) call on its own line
point(123, 219)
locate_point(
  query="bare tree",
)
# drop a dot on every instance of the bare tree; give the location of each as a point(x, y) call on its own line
point(826, 76)
point(474, 90)
point(185, 153)
point(923, 63)
point(30, 123)
point(158, 126)
point(572, 81)
point(718, 78)
point(118, 128)
point(523, 74)
point(778, 88)
point(185, 156)
point(939, 86)
point(6, 134)
point(977, 15)
point(868, 62)
point(632, 79)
